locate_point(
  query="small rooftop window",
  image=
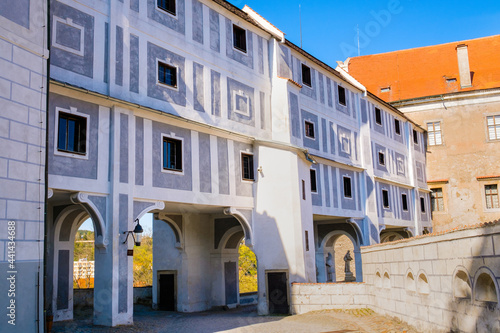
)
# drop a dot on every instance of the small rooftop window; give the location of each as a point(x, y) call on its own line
point(385, 89)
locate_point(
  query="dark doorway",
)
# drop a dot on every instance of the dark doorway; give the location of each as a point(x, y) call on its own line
point(166, 297)
point(278, 294)
point(231, 282)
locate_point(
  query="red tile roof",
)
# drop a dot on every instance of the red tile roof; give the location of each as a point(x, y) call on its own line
point(428, 71)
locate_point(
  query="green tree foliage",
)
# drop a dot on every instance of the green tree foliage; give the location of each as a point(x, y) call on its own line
point(84, 245)
point(248, 269)
point(143, 262)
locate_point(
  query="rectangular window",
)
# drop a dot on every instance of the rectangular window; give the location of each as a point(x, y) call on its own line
point(491, 193)
point(303, 189)
point(167, 74)
point(422, 204)
point(397, 126)
point(172, 154)
point(378, 116)
point(415, 137)
point(307, 240)
point(385, 198)
point(167, 5)
point(347, 187)
point(306, 75)
point(434, 133)
point(247, 171)
point(404, 199)
point(72, 133)
point(309, 128)
point(341, 93)
point(437, 200)
point(314, 187)
point(381, 158)
point(239, 38)
point(493, 127)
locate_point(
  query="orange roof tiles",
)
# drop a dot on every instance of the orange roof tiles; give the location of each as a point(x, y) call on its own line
point(428, 71)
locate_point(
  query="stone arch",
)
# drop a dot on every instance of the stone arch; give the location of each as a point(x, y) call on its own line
point(390, 236)
point(485, 286)
point(245, 224)
point(423, 283)
point(410, 281)
point(231, 238)
point(461, 284)
point(142, 208)
point(83, 200)
point(66, 224)
point(329, 241)
point(175, 223)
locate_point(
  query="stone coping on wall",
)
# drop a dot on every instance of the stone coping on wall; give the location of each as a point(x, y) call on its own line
point(467, 231)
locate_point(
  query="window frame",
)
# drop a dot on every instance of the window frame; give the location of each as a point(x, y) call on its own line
point(74, 113)
point(433, 123)
point(312, 171)
point(378, 116)
point(251, 169)
point(237, 38)
point(172, 137)
point(306, 123)
point(386, 204)
point(344, 183)
point(344, 93)
point(415, 137)
point(397, 126)
point(309, 75)
point(495, 124)
point(70, 23)
point(164, 84)
point(167, 10)
point(381, 158)
point(422, 205)
point(404, 202)
point(436, 199)
point(491, 195)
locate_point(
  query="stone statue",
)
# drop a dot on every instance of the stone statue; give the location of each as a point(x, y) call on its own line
point(330, 267)
point(348, 259)
point(349, 276)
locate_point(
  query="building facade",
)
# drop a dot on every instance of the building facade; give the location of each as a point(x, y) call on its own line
point(455, 96)
point(23, 93)
point(206, 116)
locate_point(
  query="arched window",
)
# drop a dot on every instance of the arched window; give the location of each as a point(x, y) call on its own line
point(386, 281)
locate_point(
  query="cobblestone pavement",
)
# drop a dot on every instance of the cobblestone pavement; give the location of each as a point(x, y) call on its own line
point(243, 320)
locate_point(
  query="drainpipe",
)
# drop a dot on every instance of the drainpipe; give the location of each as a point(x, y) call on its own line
point(46, 176)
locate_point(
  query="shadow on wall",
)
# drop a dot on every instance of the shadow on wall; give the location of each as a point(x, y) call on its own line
point(474, 304)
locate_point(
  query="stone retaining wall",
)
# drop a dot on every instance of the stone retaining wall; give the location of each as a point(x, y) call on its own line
point(437, 283)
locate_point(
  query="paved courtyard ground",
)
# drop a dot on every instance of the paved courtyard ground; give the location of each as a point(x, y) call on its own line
point(244, 319)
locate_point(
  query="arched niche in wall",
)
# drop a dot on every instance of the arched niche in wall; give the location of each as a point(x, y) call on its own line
point(461, 284)
point(485, 288)
point(410, 282)
point(386, 281)
point(378, 280)
point(423, 284)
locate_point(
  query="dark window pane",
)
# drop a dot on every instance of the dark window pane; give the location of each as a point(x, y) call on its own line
point(239, 38)
point(314, 187)
point(347, 187)
point(306, 75)
point(378, 116)
point(397, 126)
point(167, 5)
point(385, 198)
point(341, 91)
point(405, 202)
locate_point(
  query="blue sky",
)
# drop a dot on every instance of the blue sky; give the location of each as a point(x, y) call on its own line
point(329, 27)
